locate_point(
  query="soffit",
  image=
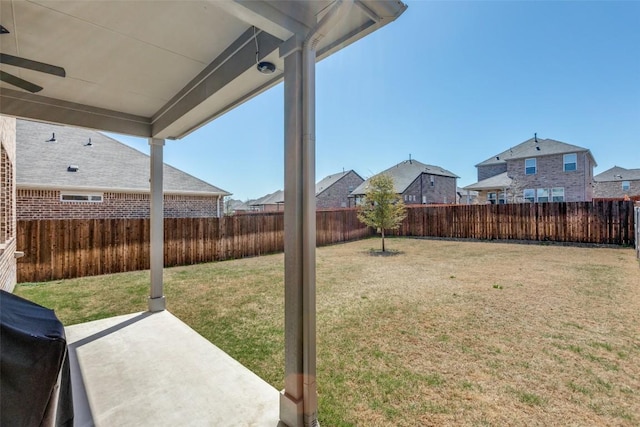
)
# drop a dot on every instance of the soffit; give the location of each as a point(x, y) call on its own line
point(158, 69)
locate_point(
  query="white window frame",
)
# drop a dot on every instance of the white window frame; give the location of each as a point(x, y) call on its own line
point(527, 166)
point(557, 193)
point(492, 197)
point(626, 185)
point(566, 161)
point(532, 195)
point(74, 197)
point(542, 193)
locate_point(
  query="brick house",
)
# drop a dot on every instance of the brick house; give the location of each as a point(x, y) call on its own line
point(616, 183)
point(417, 183)
point(7, 203)
point(272, 202)
point(333, 190)
point(537, 170)
point(68, 172)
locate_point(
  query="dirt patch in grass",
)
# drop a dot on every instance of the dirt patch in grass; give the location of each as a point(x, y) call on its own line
point(442, 333)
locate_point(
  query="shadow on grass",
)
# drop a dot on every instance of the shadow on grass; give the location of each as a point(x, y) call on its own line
point(388, 252)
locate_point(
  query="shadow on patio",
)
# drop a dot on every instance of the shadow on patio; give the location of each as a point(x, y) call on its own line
point(151, 369)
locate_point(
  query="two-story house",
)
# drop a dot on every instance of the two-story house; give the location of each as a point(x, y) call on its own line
point(537, 170)
point(417, 183)
point(333, 190)
point(617, 183)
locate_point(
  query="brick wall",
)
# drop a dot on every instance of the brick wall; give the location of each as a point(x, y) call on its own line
point(550, 174)
point(7, 203)
point(46, 204)
point(337, 195)
point(443, 190)
point(488, 171)
point(613, 189)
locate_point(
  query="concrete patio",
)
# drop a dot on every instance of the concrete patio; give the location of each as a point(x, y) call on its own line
point(151, 369)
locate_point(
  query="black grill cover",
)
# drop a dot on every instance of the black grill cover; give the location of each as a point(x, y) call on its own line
point(35, 384)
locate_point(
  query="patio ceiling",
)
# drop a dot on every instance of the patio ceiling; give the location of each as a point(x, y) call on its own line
point(159, 69)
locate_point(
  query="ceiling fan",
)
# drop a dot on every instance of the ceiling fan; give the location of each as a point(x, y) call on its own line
point(29, 64)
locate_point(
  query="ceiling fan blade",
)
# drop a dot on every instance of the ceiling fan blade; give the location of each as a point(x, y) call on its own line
point(18, 82)
point(32, 65)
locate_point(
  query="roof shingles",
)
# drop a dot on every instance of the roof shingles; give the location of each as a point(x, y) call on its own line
point(103, 165)
point(404, 173)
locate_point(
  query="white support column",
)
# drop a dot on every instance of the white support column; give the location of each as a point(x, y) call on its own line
point(298, 400)
point(156, 295)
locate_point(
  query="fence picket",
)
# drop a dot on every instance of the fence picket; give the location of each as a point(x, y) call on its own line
point(56, 249)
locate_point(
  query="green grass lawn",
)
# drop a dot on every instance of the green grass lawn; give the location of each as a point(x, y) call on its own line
point(440, 333)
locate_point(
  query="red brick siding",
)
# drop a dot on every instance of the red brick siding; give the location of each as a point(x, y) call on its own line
point(7, 203)
point(442, 191)
point(337, 196)
point(46, 204)
point(488, 171)
point(550, 174)
point(613, 189)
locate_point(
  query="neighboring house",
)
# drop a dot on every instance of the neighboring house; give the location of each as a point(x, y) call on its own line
point(417, 183)
point(235, 207)
point(466, 197)
point(273, 202)
point(616, 183)
point(68, 172)
point(7, 203)
point(333, 190)
point(537, 170)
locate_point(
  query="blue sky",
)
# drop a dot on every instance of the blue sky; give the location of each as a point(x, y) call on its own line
point(451, 84)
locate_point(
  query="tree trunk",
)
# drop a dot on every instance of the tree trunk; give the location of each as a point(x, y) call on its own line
point(382, 232)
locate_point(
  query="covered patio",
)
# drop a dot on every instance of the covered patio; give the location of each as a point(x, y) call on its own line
point(152, 369)
point(160, 70)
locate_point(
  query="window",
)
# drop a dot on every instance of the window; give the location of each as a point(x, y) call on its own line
point(503, 198)
point(530, 166)
point(70, 197)
point(557, 194)
point(433, 181)
point(543, 195)
point(492, 198)
point(626, 185)
point(570, 162)
point(529, 195)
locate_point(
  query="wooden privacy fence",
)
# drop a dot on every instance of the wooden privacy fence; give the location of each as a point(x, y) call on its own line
point(605, 222)
point(57, 249)
point(60, 249)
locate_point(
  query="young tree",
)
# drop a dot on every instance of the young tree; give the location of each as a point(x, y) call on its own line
point(382, 208)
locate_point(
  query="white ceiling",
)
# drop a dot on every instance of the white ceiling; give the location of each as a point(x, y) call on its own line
point(158, 68)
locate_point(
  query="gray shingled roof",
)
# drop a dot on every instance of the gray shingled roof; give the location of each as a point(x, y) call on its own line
point(404, 173)
point(531, 148)
point(105, 165)
point(617, 173)
point(270, 199)
point(328, 181)
point(492, 183)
